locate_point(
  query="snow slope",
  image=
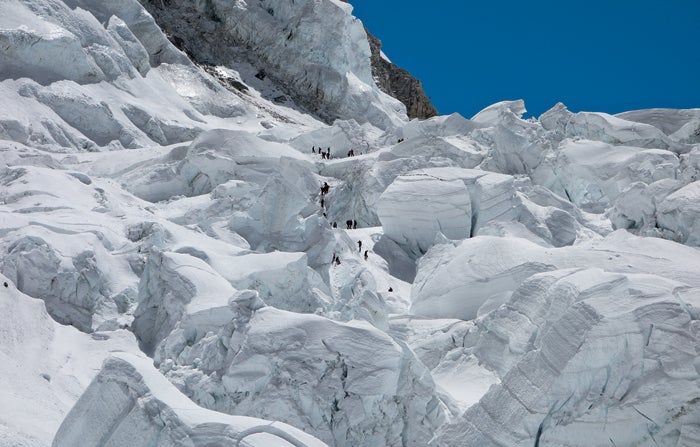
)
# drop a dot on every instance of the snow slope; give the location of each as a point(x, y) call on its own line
point(172, 266)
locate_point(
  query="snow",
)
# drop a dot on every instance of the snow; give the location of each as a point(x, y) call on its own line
point(45, 367)
point(170, 269)
point(141, 406)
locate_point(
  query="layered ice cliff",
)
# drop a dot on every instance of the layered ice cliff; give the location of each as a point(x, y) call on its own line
point(180, 263)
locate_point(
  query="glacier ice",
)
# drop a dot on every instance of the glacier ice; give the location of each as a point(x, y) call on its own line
point(498, 280)
point(130, 403)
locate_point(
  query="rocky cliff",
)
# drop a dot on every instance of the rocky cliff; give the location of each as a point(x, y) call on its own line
point(399, 83)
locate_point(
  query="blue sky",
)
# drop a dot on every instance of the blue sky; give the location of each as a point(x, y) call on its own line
point(598, 55)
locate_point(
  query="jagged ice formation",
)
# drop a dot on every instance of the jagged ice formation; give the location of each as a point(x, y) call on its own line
point(172, 272)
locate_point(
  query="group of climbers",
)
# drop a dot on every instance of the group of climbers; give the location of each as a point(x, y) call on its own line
point(325, 154)
point(350, 223)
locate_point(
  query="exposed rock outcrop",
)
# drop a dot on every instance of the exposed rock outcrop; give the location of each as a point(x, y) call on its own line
point(399, 83)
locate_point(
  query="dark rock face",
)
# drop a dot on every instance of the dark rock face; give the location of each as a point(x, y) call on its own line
point(397, 82)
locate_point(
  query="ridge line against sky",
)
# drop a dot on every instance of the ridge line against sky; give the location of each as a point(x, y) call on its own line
point(604, 56)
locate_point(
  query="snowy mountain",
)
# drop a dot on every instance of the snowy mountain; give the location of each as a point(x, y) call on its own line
point(174, 270)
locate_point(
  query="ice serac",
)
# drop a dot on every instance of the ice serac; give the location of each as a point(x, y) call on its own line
point(495, 113)
point(45, 367)
point(672, 122)
point(680, 213)
point(593, 174)
point(178, 286)
point(484, 271)
point(347, 383)
point(69, 265)
point(579, 346)
point(606, 128)
point(106, 49)
point(414, 209)
point(131, 403)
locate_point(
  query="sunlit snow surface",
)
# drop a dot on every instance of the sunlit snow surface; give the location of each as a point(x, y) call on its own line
point(171, 274)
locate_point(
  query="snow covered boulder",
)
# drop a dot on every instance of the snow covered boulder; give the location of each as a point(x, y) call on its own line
point(579, 349)
point(345, 383)
point(131, 403)
point(414, 209)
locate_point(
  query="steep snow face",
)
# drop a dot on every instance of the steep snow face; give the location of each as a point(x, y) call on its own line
point(130, 403)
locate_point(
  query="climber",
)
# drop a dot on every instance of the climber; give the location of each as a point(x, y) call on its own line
point(366, 255)
point(313, 149)
point(337, 261)
point(349, 224)
point(391, 289)
point(335, 224)
point(354, 224)
point(359, 246)
point(5, 284)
